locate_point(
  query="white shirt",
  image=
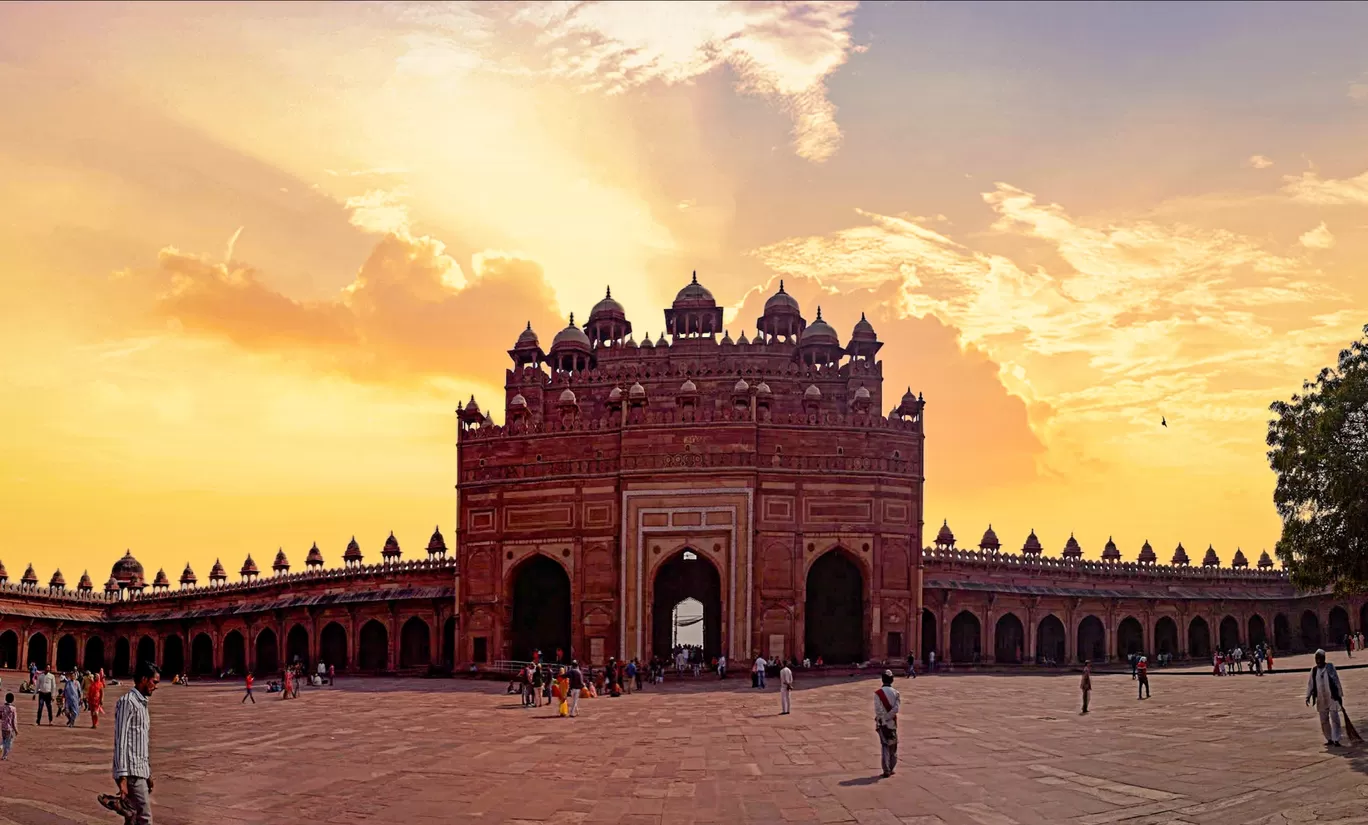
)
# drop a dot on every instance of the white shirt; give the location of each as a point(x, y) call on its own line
point(785, 677)
point(888, 718)
point(721, 661)
point(47, 683)
point(132, 732)
point(759, 664)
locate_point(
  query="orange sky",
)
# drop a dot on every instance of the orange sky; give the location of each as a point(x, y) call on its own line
point(255, 255)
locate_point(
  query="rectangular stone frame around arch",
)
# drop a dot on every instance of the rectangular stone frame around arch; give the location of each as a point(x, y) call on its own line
point(724, 514)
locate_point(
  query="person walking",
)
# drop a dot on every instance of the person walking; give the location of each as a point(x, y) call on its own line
point(886, 705)
point(132, 741)
point(1086, 684)
point(1142, 690)
point(9, 727)
point(45, 686)
point(931, 662)
point(71, 697)
point(245, 696)
point(758, 672)
point(575, 678)
point(722, 667)
point(785, 687)
point(911, 666)
point(1323, 688)
point(95, 699)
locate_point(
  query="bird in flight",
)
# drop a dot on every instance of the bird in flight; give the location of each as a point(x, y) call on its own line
point(1163, 422)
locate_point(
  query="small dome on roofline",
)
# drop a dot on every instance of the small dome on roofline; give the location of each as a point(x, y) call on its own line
point(819, 332)
point(353, 551)
point(1109, 552)
point(281, 563)
point(1264, 561)
point(437, 544)
point(781, 301)
point(741, 386)
point(1032, 547)
point(391, 549)
point(864, 331)
point(568, 396)
point(85, 585)
point(812, 393)
point(1211, 559)
point(945, 537)
point(694, 296)
point(1239, 560)
point(571, 336)
point(315, 557)
point(217, 573)
point(58, 581)
point(1180, 556)
point(1147, 555)
point(188, 575)
point(1072, 549)
point(161, 581)
point(688, 386)
point(249, 567)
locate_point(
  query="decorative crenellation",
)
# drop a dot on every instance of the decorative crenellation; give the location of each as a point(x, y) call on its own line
point(1111, 569)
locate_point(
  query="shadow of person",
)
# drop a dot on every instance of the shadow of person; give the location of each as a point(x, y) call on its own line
point(863, 780)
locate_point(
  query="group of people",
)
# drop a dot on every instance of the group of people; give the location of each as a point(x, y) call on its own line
point(1353, 641)
point(559, 684)
point(1238, 660)
point(78, 691)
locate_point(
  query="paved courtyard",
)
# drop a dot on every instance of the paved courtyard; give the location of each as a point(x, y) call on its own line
point(986, 749)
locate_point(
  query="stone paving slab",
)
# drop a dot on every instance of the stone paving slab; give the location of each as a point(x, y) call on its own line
point(976, 749)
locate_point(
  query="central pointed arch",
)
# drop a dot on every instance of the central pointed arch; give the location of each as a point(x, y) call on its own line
point(415, 643)
point(834, 609)
point(267, 652)
point(540, 591)
point(1092, 640)
point(966, 637)
point(687, 575)
point(38, 650)
point(235, 652)
point(94, 654)
point(9, 650)
point(1199, 638)
point(147, 651)
point(1009, 640)
point(1130, 637)
point(1337, 626)
point(1310, 631)
point(1050, 641)
point(66, 653)
point(1166, 636)
point(173, 656)
point(201, 655)
point(297, 646)
point(373, 654)
point(332, 646)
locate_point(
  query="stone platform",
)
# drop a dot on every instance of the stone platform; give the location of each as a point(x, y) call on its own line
point(982, 749)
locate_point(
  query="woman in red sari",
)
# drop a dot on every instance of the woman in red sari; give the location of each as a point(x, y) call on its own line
point(95, 699)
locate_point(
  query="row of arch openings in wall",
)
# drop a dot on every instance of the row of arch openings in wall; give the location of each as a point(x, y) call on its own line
point(415, 650)
point(1010, 644)
point(686, 593)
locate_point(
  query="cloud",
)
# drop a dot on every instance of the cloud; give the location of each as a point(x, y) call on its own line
point(1318, 238)
point(1309, 187)
point(1358, 91)
point(1259, 161)
point(380, 211)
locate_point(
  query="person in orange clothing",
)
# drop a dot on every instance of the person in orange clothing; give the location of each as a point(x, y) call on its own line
point(95, 699)
point(1142, 689)
point(248, 694)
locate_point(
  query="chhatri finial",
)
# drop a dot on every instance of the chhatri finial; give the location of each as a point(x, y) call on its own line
point(695, 276)
point(819, 313)
point(862, 316)
point(609, 294)
point(781, 286)
point(529, 326)
point(572, 319)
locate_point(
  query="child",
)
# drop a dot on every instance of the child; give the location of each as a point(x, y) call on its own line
point(8, 728)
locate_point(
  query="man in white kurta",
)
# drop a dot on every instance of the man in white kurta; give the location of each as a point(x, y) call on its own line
point(785, 685)
point(1323, 688)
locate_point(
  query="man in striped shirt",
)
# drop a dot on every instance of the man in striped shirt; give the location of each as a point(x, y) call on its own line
point(132, 735)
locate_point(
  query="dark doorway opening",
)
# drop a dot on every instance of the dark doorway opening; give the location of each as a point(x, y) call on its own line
point(38, 650)
point(122, 657)
point(833, 625)
point(541, 608)
point(202, 655)
point(415, 644)
point(1230, 633)
point(1009, 640)
point(297, 646)
point(94, 654)
point(1130, 637)
point(1166, 636)
point(374, 653)
point(1051, 644)
point(1337, 624)
point(1310, 631)
point(1199, 639)
point(235, 653)
point(1282, 632)
point(449, 644)
point(966, 638)
point(9, 650)
point(66, 654)
point(332, 646)
point(687, 576)
point(929, 636)
point(173, 656)
point(147, 650)
point(479, 652)
point(267, 652)
point(1092, 640)
point(1258, 634)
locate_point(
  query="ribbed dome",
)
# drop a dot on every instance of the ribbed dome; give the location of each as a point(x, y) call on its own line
point(1180, 555)
point(112, 586)
point(353, 552)
point(646, 342)
point(567, 396)
point(726, 337)
point(763, 389)
point(1264, 561)
point(1109, 552)
point(1147, 555)
point(607, 308)
point(127, 568)
point(781, 301)
point(29, 577)
point(471, 406)
point(161, 579)
point(528, 338)
point(1072, 549)
point(571, 337)
point(1211, 559)
point(688, 387)
point(945, 535)
point(391, 549)
point(281, 563)
point(864, 331)
point(615, 394)
point(1032, 547)
point(742, 340)
point(741, 386)
point(217, 573)
point(990, 539)
point(1239, 560)
point(812, 393)
point(249, 567)
point(861, 394)
point(437, 544)
point(57, 581)
point(188, 575)
point(315, 557)
point(694, 296)
point(85, 584)
point(637, 391)
point(909, 397)
point(661, 342)
point(819, 332)
point(517, 401)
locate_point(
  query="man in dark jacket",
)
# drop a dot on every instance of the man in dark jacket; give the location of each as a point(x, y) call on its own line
point(576, 677)
point(1323, 688)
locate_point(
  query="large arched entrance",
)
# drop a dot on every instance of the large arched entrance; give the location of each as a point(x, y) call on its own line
point(202, 655)
point(374, 652)
point(1051, 641)
point(1092, 640)
point(541, 608)
point(449, 644)
point(929, 635)
point(235, 652)
point(1282, 632)
point(1166, 636)
point(267, 652)
point(1310, 631)
point(66, 654)
point(297, 646)
point(1009, 640)
point(415, 644)
point(332, 646)
point(38, 651)
point(833, 622)
point(1258, 634)
point(1363, 619)
point(94, 654)
point(173, 656)
point(1230, 633)
point(1130, 637)
point(147, 650)
point(687, 575)
point(122, 657)
point(9, 650)
point(965, 637)
point(1199, 638)
point(1337, 626)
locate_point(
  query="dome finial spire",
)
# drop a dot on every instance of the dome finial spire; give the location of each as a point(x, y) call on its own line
point(819, 313)
point(572, 319)
point(695, 276)
point(781, 286)
point(608, 293)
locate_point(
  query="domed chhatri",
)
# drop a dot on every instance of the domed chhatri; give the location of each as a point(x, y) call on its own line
point(1211, 559)
point(249, 569)
point(127, 569)
point(281, 565)
point(1110, 552)
point(352, 556)
point(783, 320)
point(527, 351)
point(1239, 561)
point(391, 552)
point(315, 557)
point(607, 324)
point(85, 585)
point(1032, 547)
point(945, 537)
point(1072, 549)
point(864, 343)
point(111, 586)
point(567, 397)
point(989, 542)
point(819, 345)
point(694, 313)
point(571, 350)
point(58, 581)
point(437, 544)
point(1265, 562)
point(30, 578)
point(187, 578)
point(217, 573)
point(1180, 556)
point(161, 581)
point(1147, 554)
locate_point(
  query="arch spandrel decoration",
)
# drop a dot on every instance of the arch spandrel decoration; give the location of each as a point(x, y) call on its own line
point(526, 554)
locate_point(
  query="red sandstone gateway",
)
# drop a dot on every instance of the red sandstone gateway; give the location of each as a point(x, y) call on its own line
point(756, 475)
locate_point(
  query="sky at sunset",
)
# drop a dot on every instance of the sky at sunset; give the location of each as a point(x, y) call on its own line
point(252, 256)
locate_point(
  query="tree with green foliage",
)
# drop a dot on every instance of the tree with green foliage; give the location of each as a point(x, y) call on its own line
point(1318, 447)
